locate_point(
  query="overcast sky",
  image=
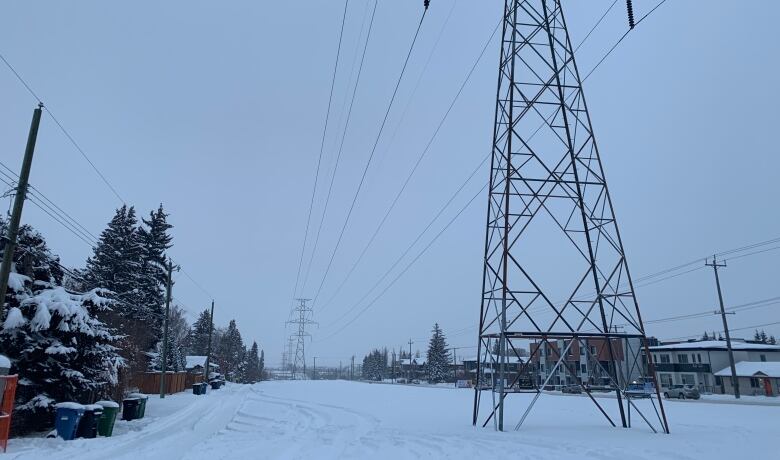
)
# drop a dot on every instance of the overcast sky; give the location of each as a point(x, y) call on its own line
point(217, 110)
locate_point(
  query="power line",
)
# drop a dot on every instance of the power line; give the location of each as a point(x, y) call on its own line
point(408, 266)
point(62, 128)
point(411, 246)
point(414, 168)
point(322, 147)
point(371, 156)
point(70, 223)
point(341, 146)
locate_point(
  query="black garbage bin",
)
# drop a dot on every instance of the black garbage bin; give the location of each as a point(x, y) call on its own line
point(215, 384)
point(88, 423)
point(130, 407)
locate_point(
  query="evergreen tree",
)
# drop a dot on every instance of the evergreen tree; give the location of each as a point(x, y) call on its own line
point(374, 366)
point(772, 340)
point(262, 364)
point(116, 265)
point(230, 352)
point(198, 339)
point(155, 240)
point(252, 365)
point(705, 336)
point(757, 336)
point(53, 338)
point(438, 359)
point(764, 338)
point(175, 353)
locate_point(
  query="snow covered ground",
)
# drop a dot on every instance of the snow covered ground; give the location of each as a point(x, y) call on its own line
point(336, 419)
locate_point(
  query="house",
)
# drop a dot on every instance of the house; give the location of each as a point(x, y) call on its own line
point(699, 363)
point(755, 378)
point(195, 365)
point(413, 368)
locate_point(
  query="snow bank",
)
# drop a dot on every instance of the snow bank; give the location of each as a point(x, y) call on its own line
point(5, 362)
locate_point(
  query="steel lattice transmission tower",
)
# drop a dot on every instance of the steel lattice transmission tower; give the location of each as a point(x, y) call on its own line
point(302, 314)
point(555, 273)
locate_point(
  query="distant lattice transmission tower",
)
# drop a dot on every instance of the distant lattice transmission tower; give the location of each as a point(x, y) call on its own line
point(558, 304)
point(302, 318)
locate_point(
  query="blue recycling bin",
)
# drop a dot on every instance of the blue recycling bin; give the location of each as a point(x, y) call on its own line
point(68, 415)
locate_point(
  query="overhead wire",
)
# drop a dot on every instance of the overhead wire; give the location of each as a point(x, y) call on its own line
point(341, 147)
point(370, 157)
point(322, 148)
point(413, 170)
point(62, 128)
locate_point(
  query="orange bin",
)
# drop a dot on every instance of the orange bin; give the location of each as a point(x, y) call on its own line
point(7, 407)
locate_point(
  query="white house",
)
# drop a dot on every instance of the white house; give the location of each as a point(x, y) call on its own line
point(195, 364)
point(699, 363)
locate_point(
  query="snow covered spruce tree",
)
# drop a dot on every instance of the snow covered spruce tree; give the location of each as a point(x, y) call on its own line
point(126, 261)
point(230, 352)
point(155, 240)
point(56, 343)
point(375, 365)
point(176, 351)
point(253, 367)
point(198, 337)
point(438, 359)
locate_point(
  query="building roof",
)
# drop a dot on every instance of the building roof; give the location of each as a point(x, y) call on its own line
point(753, 369)
point(195, 361)
point(716, 345)
point(416, 361)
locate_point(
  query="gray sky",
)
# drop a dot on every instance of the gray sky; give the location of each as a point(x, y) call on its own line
point(217, 110)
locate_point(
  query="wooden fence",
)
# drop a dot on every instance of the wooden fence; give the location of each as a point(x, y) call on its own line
point(175, 382)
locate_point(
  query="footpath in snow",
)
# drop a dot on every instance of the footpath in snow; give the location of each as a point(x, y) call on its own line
point(338, 419)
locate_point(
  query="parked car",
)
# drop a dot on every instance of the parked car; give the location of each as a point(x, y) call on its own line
point(682, 392)
point(640, 390)
point(571, 389)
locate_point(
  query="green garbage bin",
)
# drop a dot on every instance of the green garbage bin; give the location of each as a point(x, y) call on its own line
point(142, 398)
point(106, 422)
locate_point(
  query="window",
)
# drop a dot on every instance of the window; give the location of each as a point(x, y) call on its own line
point(665, 359)
point(754, 383)
point(584, 368)
point(688, 379)
point(682, 359)
point(718, 380)
point(593, 351)
point(666, 380)
point(698, 355)
point(763, 358)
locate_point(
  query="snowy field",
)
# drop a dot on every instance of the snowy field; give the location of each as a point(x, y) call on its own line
point(336, 419)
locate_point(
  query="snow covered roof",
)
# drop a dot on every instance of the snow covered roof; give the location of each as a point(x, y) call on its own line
point(195, 361)
point(416, 361)
point(716, 345)
point(5, 362)
point(752, 368)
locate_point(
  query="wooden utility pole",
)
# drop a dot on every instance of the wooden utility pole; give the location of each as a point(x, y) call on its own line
point(734, 379)
point(208, 347)
point(314, 371)
point(352, 369)
point(165, 328)
point(16, 215)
